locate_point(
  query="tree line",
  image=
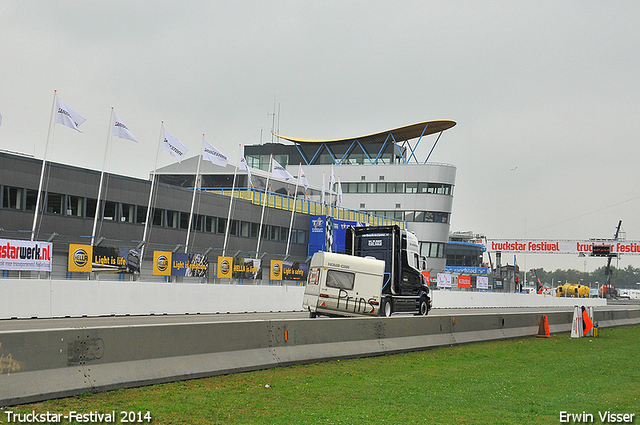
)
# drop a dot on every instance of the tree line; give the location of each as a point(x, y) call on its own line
point(628, 277)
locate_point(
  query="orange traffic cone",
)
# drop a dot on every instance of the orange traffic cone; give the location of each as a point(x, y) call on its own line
point(543, 327)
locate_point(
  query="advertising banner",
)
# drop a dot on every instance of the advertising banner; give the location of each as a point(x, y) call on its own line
point(25, 255)
point(444, 280)
point(294, 270)
point(275, 272)
point(162, 263)
point(103, 259)
point(189, 265)
point(550, 246)
point(167, 263)
point(239, 268)
point(482, 282)
point(327, 233)
point(464, 281)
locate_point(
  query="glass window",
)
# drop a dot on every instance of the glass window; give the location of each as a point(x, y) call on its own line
point(12, 198)
point(109, 210)
point(400, 187)
point(244, 229)
point(141, 214)
point(74, 206)
point(419, 216)
point(391, 188)
point(173, 218)
point(339, 279)
point(381, 188)
point(409, 215)
point(429, 216)
point(411, 188)
point(158, 214)
point(441, 247)
point(274, 233)
point(422, 187)
point(54, 203)
point(302, 236)
point(433, 250)
point(255, 229)
point(233, 229)
point(127, 213)
point(90, 207)
point(284, 234)
point(222, 225)
point(184, 220)
point(362, 188)
point(210, 224)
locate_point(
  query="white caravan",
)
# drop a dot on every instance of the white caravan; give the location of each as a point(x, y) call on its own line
point(343, 285)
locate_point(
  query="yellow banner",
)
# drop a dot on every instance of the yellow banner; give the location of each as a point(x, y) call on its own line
point(161, 263)
point(80, 257)
point(276, 270)
point(225, 267)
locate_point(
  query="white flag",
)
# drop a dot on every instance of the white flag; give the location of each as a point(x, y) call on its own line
point(339, 193)
point(303, 179)
point(280, 171)
point(244, 166)
point(212, 154)
point(333, 180)
point(173, 146)
point(120, 130)
point(67, 116)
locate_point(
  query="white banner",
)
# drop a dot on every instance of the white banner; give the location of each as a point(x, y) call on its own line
point(173, 146)
point(25, 255)
point(210, 153)
point(120, 130)
point(444, 280)
point(551, 246)
point(482, 282)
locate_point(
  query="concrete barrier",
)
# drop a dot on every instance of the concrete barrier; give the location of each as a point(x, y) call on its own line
point(41, 298)
point(43, 364)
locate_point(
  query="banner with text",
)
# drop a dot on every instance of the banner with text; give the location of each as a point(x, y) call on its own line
point(551, 246)
point(167, 263)
point(103, 259)
point(239, 268)
point(25, 255)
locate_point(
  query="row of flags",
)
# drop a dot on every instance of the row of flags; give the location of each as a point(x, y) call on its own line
point(68, 117)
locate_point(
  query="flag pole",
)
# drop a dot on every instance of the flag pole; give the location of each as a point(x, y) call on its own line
point(264, 202)
point(233, 186)
point(44, 162)
point(193, 199)
point(153, 178)
point(295, 198)
point(104, 164)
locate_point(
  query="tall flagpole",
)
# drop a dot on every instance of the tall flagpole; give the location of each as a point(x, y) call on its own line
point(264, 202)
point(104, 164)
point(233, 186)
point(44, 162)
point(193, 199)
point(295, 198)
point(153, 178)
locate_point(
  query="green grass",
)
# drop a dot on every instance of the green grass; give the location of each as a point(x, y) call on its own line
point(520, 381)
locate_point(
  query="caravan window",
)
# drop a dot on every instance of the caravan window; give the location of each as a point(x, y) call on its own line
point(341, 280)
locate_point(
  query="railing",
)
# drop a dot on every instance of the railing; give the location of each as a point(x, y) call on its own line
point(306, 206)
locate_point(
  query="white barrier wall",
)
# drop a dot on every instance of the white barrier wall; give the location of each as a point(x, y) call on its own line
point(463, 299)
point(27, 298)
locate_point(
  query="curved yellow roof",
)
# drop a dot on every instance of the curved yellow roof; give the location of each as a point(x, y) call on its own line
point(408, 132)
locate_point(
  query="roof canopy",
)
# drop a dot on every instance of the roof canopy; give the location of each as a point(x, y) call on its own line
point(400, 134)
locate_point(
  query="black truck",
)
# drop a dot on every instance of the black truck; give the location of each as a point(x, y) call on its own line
point(405, 289)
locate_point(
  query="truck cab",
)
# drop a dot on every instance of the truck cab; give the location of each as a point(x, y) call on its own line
point(405, 288)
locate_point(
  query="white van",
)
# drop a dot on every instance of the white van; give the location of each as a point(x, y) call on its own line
point(343, 285)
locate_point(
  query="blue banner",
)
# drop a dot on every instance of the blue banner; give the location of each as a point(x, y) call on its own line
point(327, 233)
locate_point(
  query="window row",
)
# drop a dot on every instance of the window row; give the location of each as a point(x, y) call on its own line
point(421, 216)
point(75, 206)
point(432, 249)
point(384, 187)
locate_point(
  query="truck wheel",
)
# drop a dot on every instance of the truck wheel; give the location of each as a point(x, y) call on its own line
point(424, 306)
point(312, 315)
point(387, 307)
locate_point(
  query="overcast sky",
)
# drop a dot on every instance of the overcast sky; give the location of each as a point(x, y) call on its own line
point(546, 94)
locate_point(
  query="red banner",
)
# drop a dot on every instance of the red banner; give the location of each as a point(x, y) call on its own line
point(464, 281)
